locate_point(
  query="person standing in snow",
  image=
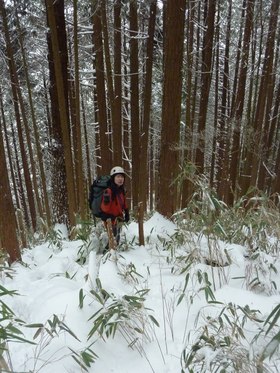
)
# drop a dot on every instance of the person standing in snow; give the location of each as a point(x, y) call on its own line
point(113, 203)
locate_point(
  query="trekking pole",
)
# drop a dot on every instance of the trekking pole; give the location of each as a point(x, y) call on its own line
point(112, 241)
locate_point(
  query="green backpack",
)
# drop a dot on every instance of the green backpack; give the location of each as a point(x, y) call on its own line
point(96, 191)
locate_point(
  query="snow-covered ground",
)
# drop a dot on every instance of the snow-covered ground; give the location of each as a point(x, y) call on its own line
point(161, 297)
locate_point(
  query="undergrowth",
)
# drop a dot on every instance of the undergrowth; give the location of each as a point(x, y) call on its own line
point(221, 339)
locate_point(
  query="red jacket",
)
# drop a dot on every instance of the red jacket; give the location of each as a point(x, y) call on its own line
point(113, 207)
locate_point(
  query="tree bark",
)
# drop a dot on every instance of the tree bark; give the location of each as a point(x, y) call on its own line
point(206, 77)
point(117, 128)
point(44, 208)
point(237, 110)
point(62, 94)
point(222, 163)
point(8, 225)
point(134, 100)
point(171, 107)
point(188, 143)
point(145, 128)
point(77, 132)
point(105, 155)
point(16, 100)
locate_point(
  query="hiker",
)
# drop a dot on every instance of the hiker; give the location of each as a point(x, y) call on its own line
point(113, 203)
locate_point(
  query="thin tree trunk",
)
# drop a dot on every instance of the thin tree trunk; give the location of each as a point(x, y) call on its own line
point(116, 125)
point(8, 225)
point(216, 95)
point(246, 163)
point(270, 119)
point(117, 128)
point(238, 54)
point(17, 99)
point(134, 93)
point(206, 77)
point(80, 179)
point(105, 154)
point(9, 152)
point(143, 166)
point(275, 189)
point(187, 184)
point(237, 109)
point(36, 138)
point(264, 90)
point(222, 136)
point(19, 187)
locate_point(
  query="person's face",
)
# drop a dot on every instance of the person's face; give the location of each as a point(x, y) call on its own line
point(119, 179)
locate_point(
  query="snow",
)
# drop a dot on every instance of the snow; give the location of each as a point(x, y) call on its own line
point(170, 304)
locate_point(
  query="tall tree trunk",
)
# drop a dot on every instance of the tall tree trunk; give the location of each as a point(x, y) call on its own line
point(238, 54)
point(143, 165)
point(187, 185)
point(134, 94)
point(125, 119)
point(19, 186)
point(266, 80)
point(206, 76)
point(8, 225)
point(77, 133)
point(58, 186)
point(272, 139)
point(16, 99)
point(41, 174)
point(117, 125)
point(105, 155)
point(222, 135)
point(171, 106)
point(271, 113)
point(9, 151)
point(251, 91)
point(237, 109)
point(62, 94)
point(275, 189)
point(216, 97)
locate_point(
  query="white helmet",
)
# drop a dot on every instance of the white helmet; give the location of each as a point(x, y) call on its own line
point(117, 170)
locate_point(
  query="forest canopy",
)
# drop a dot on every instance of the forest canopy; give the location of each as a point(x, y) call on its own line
point(177, 92)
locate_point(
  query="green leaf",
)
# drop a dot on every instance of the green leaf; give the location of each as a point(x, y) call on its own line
point(64, 327)
point(38, 332)
point(81, 298)
point(140, 331)
point(181, 297)
point(96, 325)
point(271, 347)
point(13, 329)
point(4, 291)
point(186, 282)
point(276, 315)
point(34, 325)
point(209, 294)
point(95, 314)
point(97, 296)
point(79, 363)
point(154, 320)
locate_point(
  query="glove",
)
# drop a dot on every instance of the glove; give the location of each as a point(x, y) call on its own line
point(126, 215)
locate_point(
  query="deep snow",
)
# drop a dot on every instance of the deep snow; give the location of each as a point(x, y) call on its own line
point(52, 282)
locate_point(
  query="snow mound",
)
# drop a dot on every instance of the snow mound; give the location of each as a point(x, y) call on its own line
point(155, 227)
